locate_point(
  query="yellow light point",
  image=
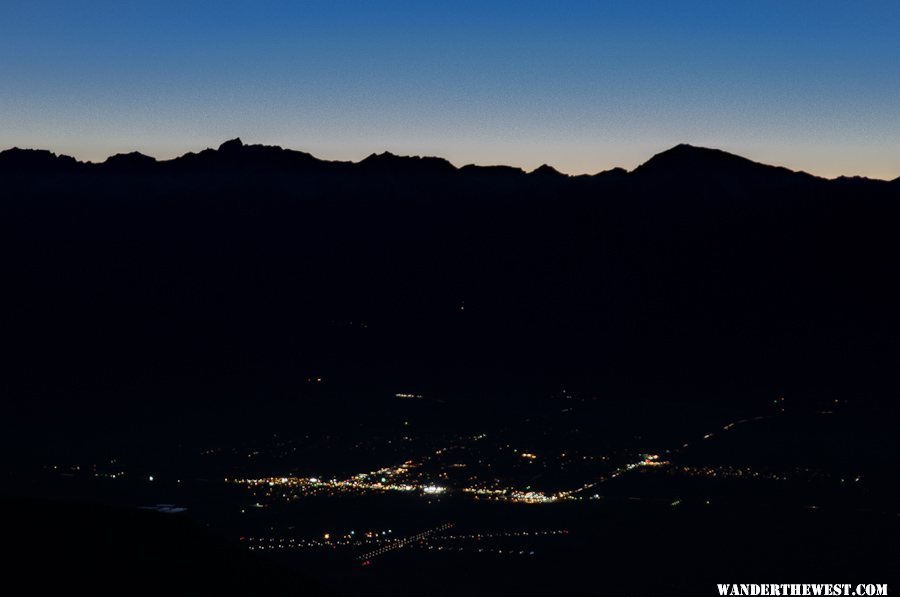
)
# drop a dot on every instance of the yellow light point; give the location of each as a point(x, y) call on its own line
point(326, 536)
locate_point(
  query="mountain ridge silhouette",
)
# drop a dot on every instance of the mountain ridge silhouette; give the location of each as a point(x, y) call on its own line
point(685, 159)
point(681, 160)
point(698, 272)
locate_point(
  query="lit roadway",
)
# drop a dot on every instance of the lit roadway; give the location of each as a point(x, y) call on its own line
point(366, 558)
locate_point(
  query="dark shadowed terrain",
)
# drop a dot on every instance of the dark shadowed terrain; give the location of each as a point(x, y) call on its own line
point(253, 311)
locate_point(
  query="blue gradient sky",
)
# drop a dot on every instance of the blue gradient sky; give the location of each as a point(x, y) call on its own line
point(584, 86)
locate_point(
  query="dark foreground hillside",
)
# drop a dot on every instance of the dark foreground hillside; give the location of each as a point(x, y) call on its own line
point(619, 547)
point(58, 548)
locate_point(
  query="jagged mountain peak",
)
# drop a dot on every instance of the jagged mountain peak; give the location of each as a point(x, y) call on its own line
point(390, 162)
point(546, 170)
point(231, 145)
point(133, 158)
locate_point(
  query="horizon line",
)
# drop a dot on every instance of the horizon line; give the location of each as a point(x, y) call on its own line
point(452, 163)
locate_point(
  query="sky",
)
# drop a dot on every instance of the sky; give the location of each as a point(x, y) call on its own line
point(583, 86)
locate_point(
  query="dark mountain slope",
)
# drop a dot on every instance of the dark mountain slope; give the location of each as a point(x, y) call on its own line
point(35, 160)
point(234, 273)
point(129, 161)
point(696, 162)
